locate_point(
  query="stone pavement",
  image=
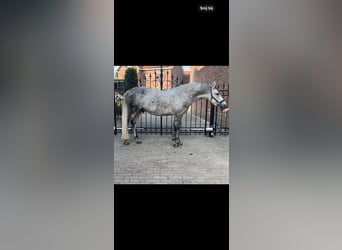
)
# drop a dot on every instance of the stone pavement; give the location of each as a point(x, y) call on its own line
point(201, 160)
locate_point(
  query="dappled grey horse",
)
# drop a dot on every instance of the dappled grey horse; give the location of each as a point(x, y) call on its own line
point(175, 101)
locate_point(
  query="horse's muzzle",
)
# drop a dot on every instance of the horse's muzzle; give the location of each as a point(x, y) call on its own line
point(223, 106)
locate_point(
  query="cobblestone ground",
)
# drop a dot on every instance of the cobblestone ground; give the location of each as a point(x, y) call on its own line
point(201, 160)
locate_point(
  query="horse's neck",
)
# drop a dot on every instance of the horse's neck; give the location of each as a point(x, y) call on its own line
point(200, 90)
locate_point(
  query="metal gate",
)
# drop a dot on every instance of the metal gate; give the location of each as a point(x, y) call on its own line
point(201, 118)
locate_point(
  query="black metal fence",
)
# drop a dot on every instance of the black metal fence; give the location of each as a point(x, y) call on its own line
point(201, 118)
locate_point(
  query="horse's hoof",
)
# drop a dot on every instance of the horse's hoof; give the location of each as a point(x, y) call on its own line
point(176, 145)
point(173, 138)
point(138, 141)
point(126, 142)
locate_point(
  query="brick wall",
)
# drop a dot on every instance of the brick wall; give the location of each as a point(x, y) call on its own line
point(193, 70)
point(121, 72)
point(186, 76)
point(178, 72)
point(168, 72)
point(209, 74)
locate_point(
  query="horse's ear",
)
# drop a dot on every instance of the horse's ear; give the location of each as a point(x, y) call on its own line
point(213, 84)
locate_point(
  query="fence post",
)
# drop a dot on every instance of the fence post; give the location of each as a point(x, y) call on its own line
point(161, 88)
point(215, 124)
point(115, 129)
point(172, 81)
point(212, 114)
point(206, 117)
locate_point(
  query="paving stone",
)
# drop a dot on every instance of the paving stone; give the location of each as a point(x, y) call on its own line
point(201, 160)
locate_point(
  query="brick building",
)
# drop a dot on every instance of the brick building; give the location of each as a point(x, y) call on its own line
point(193, 71)
point(149, 76)
point(209, 74)
point(186, 76)
point(196, 73)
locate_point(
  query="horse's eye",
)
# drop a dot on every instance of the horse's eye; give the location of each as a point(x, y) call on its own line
point(217, 94)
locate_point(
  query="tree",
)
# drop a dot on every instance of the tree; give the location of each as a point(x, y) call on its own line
point(131, 78)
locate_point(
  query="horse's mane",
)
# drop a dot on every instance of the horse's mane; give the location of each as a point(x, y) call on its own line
point(194, 87)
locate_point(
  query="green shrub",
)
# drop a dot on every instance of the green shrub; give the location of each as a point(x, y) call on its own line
point(131, 78)
point(118, 104)
point(118, 107)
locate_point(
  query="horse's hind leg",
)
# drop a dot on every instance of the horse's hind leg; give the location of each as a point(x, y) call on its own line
point(176, 128)
point(134, 126)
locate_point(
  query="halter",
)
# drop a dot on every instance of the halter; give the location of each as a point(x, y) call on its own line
point(213, 97)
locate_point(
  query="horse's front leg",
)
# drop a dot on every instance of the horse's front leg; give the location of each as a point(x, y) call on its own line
point(173, 132)
point(176, 129)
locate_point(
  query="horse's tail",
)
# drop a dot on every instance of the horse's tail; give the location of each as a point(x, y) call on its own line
point(124, 129)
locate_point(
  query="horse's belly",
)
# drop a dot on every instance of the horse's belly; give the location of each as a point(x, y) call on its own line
point(158, 111)
point(161, 105)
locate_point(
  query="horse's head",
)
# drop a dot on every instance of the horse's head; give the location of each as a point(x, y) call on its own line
point(217, 99)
